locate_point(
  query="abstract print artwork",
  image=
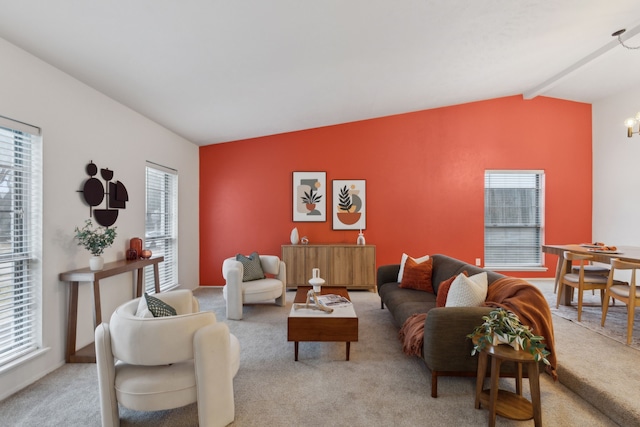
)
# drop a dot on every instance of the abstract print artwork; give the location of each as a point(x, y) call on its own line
point(309, 196)
point(349, 204)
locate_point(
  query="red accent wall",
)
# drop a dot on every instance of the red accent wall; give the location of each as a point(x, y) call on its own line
point(424, 173)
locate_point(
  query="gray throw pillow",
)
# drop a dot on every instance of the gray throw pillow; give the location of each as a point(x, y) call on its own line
point(158, 307)
point(252, 267)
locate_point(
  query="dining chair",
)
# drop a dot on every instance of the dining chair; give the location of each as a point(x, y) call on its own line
point(589, 268)
point(592, 268)
point(627, 293)
point(581, 281)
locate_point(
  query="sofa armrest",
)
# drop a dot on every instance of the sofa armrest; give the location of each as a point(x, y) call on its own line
point(387, 274)
point(446, 346)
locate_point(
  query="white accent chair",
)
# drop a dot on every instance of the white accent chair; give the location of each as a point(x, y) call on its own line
point(157, 363)
point(236, 292)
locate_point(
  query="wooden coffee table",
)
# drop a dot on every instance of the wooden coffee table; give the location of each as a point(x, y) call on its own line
point(316, 325)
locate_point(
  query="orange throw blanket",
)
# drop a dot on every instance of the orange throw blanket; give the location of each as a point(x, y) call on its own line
point(528, 303)
point(412, 334)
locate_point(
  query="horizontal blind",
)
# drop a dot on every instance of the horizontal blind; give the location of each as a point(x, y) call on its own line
point(513, 218)
point(161, 227)
point(20, 235)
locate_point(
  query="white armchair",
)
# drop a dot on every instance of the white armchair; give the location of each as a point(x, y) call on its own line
point(236, 292)
point(150, 364)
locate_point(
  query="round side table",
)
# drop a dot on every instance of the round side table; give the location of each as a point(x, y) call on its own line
point(506, 403)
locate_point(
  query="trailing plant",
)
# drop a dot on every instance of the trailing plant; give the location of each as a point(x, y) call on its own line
point(506, 326)
point(311, 197)
point(95, 240)
point(344, 199)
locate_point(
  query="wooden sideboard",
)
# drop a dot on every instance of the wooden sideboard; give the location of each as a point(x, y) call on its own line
point(353, 266)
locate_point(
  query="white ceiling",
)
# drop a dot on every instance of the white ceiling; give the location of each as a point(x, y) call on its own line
point(222, 70)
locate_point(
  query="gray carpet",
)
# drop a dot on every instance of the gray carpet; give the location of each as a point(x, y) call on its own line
point(379, 386)
point(595, 361)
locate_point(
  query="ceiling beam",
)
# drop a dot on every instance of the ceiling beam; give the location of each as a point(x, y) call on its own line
point(551, 82)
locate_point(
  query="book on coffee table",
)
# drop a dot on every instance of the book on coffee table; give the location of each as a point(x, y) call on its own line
point(332, 300)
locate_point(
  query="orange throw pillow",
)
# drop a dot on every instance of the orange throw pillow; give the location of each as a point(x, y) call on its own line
point(443, 290)
point(417, 275)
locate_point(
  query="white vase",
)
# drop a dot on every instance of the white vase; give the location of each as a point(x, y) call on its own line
point(295, 238)
point(96, 263)
point(316, 281)
point(360, 240)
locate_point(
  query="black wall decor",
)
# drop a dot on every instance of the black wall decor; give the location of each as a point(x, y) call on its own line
point(93, 192)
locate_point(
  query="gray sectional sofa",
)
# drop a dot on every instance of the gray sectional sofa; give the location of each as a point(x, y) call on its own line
point(446, 350)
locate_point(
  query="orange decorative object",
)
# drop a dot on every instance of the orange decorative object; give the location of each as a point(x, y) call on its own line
point(146, 253)
point(132, 255)
point(136, 244)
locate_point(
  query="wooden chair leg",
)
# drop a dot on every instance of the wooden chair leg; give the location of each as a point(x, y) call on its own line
point(630, 316)
point(580, 295)
point(605, 308)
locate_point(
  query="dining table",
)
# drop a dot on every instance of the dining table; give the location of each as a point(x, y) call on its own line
point(625, 253)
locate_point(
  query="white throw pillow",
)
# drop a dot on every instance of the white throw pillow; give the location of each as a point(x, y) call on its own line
point(404, 260)
point(143, 309)
point(468, 291)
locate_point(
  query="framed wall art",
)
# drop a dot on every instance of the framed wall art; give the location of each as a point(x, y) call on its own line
point(349, 204)
point(309, 196)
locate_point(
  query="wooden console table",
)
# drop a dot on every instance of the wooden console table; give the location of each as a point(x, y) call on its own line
point(87, 354)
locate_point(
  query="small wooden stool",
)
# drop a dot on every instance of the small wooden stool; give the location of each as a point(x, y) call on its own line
point(502, 402)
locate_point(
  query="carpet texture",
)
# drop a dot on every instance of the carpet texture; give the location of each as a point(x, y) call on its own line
point(595, 362)
point(379, 386)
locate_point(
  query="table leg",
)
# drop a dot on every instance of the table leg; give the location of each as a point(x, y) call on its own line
point(156, 278)
point(482, 372)
point(295, 346)
point(519, 378)
point(534, 384)
point(348, 349)
point(558, 269)
point(96, 303)
point(72, 320)
point(493, 394)
point(139, 282)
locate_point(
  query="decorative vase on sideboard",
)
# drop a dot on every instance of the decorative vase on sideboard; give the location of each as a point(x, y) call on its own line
point(295, 238)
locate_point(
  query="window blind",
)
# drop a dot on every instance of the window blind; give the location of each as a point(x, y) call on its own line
point(513, 218)
point(20, 240)
point(161, 228)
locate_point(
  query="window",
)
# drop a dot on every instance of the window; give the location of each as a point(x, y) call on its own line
point(20, 240)
point(161, 229)
point(513, 212)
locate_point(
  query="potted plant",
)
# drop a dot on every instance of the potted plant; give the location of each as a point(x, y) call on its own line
point(95, 240)
point(504, 327)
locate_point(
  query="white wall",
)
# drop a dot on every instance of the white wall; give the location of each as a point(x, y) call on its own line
point(80, 125)
point(616, 171)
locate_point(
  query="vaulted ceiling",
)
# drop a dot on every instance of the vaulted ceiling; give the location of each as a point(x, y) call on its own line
point(222, 70)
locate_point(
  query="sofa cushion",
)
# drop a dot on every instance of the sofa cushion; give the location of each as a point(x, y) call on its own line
point(251, 267)
point(417, 275)
point(467, 291)
point(403, 303)
point(443, 290)
point(403, 261)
